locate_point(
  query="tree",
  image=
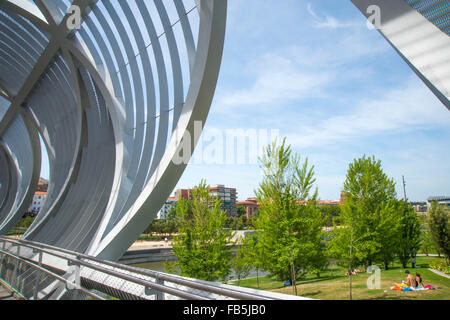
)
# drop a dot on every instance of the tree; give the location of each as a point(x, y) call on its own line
point(172, 213)
point(241, 211)
point(369, 188)
point(331, 213)
point(410, 233)
point(318, 262)
point(288, 230)
point(439, 224)
point(25, 222)
point(364, 217)
point(349, 241)
point(388, 231)
point(428, 244)
point(241, 261)
point(255, 253)
point(201, 247)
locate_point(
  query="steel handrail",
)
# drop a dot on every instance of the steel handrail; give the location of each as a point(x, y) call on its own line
point(200, 286)
point(145, 283)
point(52, 274)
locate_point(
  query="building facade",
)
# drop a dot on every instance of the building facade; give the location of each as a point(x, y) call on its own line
point(227, 196)
point(37, 204)
point(442, 200)
point(250, 205)
point(164, 212)
point(183, 194)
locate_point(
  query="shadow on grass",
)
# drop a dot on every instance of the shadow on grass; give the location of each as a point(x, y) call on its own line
point(388, 296)
point(321, 279)
point(310, 294)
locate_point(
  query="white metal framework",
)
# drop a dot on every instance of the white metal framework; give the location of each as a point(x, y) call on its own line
point(111, 98)
point(114, 97)
point(419, 31)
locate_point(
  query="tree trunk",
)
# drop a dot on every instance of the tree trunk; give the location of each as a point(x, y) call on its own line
point(257, 277)
point(350, 264)
point(350, 283)
point(386, 265)
point(294, 280)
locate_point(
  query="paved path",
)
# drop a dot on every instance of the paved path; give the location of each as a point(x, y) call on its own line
point(145, 245)
point(6, 295)
point(440, 273)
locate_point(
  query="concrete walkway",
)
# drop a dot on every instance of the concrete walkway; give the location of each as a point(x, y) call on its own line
point(146, 245)
point(440, 273)
point(6, 295)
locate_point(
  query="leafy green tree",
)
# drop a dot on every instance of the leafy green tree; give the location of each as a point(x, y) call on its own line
point(242, 222)
point(255, 253)
point(410, 233)
point(201, 247)
point(318, 262)
point(331, 213)
point(288, 230)
point(364, 222)
point(388, 231)
point(249, 224)
point(172, 213)
point(241, 261)
point(428, 244)
point(439, 224)
point(350, 242)
point(369, 188)
point(241, 211)
point(25, 222)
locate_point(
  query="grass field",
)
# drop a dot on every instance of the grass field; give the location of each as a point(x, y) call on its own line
point(333, 284)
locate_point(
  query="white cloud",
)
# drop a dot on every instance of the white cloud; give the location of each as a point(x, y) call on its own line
point(328, 22)
point(279, 78)
point(302, 71)
point(401, 109)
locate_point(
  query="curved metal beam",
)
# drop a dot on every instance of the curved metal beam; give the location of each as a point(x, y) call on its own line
point(101, 99)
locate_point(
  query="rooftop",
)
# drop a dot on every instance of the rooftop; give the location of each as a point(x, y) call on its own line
point(439, 198)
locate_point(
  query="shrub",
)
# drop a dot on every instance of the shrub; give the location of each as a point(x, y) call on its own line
point(440, 266)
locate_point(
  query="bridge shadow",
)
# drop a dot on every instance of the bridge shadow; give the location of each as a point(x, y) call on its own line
point(311, 294)
point(321, 279)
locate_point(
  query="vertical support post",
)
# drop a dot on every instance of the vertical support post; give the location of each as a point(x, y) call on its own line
point(73, 279)
point(38, 278)
point(2, 257)
point(16, 268)
point(159, 294)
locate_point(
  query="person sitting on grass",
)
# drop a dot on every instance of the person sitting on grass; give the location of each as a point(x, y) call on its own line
point(410, 280)
point(419, 281)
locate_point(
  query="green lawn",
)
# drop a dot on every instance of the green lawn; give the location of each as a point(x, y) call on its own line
point(333, 284)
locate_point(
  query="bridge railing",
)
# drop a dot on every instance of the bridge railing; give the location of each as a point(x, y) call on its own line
point(71, 275)
point(28, 279)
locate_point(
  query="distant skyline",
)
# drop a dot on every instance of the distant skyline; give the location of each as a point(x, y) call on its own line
point(335, 89)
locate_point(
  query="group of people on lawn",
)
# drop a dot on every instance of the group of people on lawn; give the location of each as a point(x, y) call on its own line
point(413, 282)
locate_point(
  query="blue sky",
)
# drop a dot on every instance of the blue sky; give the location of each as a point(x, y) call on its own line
point(335, 89)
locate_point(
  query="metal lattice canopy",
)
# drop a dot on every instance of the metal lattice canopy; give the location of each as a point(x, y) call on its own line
point(111, 100)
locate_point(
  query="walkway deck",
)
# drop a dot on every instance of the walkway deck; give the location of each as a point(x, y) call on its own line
point(6, 295)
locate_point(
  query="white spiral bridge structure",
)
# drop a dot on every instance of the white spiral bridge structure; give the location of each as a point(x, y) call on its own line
point(114, 89)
